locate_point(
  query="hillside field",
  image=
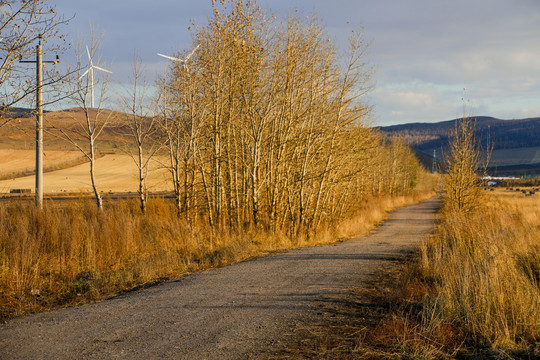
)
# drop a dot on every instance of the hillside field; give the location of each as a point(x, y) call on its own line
point(114, 173)
point(66, 170)
point(19, 161)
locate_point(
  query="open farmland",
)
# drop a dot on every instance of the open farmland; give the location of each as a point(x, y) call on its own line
point(20, 133)
point(66, 170)
point(114, 172)
point(19, 162)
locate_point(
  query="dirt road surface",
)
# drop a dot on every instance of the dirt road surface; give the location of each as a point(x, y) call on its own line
point(237, 312)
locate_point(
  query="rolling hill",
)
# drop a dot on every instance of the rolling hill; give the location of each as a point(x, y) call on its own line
point(515, 143)
point(66, 170)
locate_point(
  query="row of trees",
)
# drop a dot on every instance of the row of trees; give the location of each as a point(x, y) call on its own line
point(263, 124)
point(266, 125)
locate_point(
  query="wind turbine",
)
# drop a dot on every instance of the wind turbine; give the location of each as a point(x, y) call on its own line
point(183, 61)
point(90, 72)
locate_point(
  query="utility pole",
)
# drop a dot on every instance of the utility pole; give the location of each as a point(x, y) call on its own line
point(39, 126)
point(434, 164)
point(39, 121)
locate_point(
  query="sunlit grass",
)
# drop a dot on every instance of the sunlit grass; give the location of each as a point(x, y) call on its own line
point(72, 254)
point(473, 290)
point(487, 271)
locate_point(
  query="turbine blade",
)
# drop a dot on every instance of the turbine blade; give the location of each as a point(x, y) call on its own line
point(170, 58)
point(192, 52)
point(97, 67)
point(88, 52)
point(84, 74)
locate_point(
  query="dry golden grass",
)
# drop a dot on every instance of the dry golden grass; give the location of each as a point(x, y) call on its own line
point(472, 292)
point(487, 268)
point(16, 162)
point(22, 130)
point(73, 254)
point(114, 172)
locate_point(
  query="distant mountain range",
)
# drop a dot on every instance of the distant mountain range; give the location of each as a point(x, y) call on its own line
point(516, 143)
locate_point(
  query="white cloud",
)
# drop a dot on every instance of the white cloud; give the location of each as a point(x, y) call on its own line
point(426, 51)
point(414, 102)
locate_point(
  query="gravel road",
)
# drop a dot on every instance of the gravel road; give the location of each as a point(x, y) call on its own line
point(236, 312)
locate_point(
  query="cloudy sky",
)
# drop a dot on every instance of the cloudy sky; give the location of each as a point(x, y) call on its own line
point(423, 52)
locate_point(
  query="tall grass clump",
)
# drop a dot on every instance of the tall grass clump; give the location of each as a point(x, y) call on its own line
point(487, 269)
point(73, 252)
point(484, 257)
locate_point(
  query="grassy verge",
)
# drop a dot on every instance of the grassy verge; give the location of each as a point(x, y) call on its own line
point(471, 292)
point(67, 255)
point(487, 267)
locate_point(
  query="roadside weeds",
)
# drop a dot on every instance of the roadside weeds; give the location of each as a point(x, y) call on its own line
point(425, 307)
point(74, 255)
point(383, 320)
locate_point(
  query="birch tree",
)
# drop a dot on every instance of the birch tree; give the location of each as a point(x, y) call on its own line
point(142, 126)
point(22, 24)
point(271, 121)
point(88, 78)
point(461, 183)
point(182, 110)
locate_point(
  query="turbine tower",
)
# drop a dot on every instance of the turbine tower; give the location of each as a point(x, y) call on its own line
point(182, 61)
point(90, 72)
